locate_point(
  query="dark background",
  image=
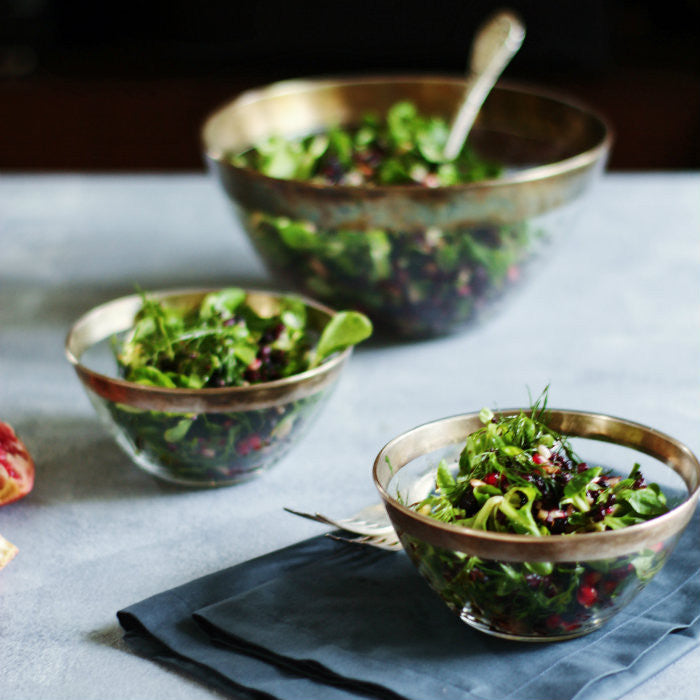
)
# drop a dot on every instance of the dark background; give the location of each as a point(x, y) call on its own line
point(107, 85)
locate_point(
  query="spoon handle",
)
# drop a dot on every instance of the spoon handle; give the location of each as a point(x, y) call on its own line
point(496, 42)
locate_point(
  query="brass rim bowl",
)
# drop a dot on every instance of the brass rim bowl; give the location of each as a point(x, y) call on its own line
point(552, 148)
point(420, 531)
point(122, 405)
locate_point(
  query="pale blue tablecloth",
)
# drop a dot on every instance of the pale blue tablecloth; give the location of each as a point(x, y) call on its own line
point(610, 321)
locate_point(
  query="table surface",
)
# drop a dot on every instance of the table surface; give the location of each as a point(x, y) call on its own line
point(610, 320)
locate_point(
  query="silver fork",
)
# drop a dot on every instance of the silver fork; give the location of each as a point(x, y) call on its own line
point(389, 542)
point(370, 521)
point(371, 524)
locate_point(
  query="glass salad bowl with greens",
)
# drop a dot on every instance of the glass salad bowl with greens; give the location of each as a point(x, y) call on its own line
point(520, 537)
point(343, 189)
point(210, 386)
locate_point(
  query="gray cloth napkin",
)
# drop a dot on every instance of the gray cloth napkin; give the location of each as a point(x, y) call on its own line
point(324, 619)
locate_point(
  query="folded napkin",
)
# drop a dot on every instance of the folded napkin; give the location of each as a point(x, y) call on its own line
point(324, 619)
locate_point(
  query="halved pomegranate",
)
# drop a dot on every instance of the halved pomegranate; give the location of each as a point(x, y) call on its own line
point(16, 466)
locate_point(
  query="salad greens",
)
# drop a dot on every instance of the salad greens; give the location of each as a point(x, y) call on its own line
point(403, 148)
point(421, 281)
point(231, 339)
point(517, 475)
point(209, 449)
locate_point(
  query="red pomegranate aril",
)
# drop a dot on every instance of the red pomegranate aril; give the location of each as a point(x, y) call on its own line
point(570, 626)
point(255, 442)
point(586, 596)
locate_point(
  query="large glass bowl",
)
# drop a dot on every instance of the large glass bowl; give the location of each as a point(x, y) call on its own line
point(531, 588)
point(197, 437)
point(419, 261)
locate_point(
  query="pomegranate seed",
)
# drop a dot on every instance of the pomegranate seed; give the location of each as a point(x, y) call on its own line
point(537, 458)
point(586, 596)
point(255, 442)
point(570, 626)
point(492, 479)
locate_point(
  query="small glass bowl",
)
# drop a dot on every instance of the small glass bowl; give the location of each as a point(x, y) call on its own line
point(420, 261)
point(530, 588)
point(197, 437)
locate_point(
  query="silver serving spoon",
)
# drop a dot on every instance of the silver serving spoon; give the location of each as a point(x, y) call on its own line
point(496, 42)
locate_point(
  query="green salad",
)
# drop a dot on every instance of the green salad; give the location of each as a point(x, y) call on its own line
point(419, 281)
point(517, 475)
point(231, 339)
point(405, 148)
